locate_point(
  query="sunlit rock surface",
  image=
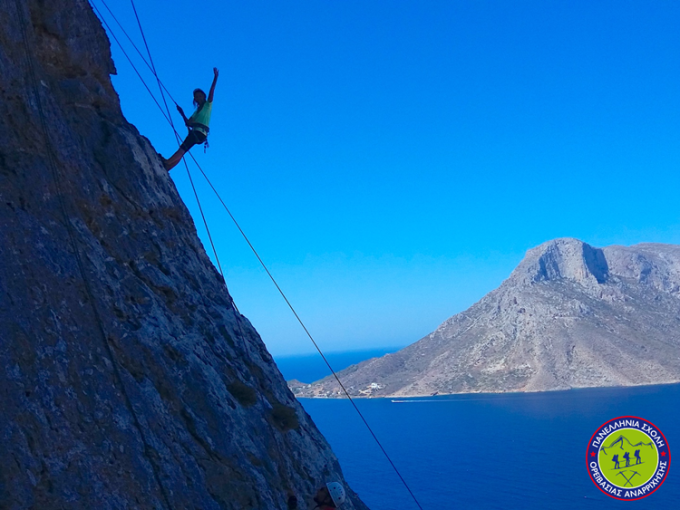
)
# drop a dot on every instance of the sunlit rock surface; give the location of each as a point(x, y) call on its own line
point(569, 316)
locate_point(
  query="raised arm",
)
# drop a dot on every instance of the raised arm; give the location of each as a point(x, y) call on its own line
point(212, 87)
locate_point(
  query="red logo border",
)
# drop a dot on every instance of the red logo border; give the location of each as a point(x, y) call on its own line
point(623, 418)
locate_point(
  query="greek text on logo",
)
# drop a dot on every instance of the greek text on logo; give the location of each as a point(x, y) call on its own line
point(628, 458)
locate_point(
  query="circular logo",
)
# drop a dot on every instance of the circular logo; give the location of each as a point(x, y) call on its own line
point(628, 458)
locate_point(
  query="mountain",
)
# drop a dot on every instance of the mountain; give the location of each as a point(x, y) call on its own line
point(569, 316)
point(127, 377)
point(621, 439)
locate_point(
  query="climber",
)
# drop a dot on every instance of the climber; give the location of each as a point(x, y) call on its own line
point(330, 496)
point(198, 123)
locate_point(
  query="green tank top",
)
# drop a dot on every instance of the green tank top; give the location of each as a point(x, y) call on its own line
point(202, 116)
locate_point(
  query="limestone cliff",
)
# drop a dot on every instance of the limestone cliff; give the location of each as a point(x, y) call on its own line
point(569, 316)
point(127, 380)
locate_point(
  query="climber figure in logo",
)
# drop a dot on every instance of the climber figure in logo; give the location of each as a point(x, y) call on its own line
point(627, 458)
point(638, 460)
point(198, 123)
point(616, 461)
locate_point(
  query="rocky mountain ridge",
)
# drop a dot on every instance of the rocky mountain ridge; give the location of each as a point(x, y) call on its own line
point(569, 316)
point(127, 378)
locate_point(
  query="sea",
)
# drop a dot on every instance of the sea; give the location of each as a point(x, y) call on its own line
point(483, 451)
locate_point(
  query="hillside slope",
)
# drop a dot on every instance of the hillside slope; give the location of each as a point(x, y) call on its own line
point(127, 380)
point(569, 316)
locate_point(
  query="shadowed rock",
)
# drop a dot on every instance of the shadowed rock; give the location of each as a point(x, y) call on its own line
point(127, 379)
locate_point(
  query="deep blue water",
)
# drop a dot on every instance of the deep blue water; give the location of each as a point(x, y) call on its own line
point(523, 451)
point(311, 367)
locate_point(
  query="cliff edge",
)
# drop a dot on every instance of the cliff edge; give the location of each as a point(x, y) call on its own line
point(127, 379)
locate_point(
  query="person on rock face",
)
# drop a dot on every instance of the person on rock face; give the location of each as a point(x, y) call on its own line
point(328, 497)
point(198, 123)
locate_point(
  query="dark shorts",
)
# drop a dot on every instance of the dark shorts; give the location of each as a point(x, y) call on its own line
point(195, 138)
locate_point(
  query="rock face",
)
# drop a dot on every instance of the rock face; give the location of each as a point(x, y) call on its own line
point(569, 316)
point(127, 379)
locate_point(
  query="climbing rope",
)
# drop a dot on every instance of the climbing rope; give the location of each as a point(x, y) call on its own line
point(191, 180)
point(74, 246)
point(283, 295)
point(168, 116)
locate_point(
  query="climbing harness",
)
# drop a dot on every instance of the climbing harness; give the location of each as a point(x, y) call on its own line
point(206, 132)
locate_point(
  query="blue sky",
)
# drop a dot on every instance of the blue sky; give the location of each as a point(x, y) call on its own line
point(392, 161)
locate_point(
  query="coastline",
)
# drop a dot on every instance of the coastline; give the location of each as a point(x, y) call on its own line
point(490, 393)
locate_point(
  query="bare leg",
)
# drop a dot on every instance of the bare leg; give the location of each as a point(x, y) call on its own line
point(174, 159)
